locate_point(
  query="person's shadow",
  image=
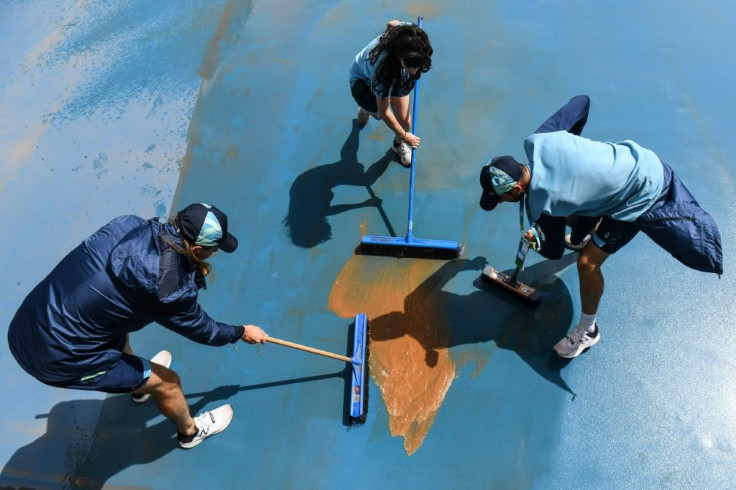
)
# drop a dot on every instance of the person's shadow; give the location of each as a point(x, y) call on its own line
point(488, 314)
point(63, 457)
point(311, 194)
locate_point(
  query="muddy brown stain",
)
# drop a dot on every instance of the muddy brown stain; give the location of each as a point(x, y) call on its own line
point(409, 353)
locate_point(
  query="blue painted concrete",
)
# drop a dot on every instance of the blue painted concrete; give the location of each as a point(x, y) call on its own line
point(140, 107)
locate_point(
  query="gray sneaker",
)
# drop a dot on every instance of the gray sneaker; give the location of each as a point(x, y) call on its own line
point(163, 358)
point(577, 341)
point(576, 246)
point(208, 424)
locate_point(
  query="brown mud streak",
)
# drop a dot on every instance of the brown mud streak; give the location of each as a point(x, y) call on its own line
point(409, 354)
point(206, 71)
point(213, 48)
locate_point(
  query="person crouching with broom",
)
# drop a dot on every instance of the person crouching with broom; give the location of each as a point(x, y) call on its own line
point(613, 191)
point(383, 74)
point(72, 330)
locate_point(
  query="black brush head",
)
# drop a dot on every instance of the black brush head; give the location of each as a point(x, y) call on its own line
point(519, 290)
point(404, 251)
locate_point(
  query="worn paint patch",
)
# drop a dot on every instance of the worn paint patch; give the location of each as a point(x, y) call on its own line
point(409, 349)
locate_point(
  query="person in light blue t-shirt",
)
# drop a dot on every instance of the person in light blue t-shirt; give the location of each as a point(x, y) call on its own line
point(383, 74)
point(607, 193)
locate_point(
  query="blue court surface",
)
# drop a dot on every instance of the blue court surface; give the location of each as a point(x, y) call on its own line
point(139, 107)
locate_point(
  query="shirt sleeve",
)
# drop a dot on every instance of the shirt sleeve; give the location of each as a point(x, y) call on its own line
point(189, 319)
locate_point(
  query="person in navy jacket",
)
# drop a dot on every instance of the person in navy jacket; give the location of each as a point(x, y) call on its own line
point(607, 193)
point(72, 330)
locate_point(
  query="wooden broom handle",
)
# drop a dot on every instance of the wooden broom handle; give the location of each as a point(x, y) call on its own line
point(308, 349)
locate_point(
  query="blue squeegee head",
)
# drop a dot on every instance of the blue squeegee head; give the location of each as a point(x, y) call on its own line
point(359, 382)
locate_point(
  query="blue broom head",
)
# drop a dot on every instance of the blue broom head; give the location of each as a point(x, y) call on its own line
point(359, 383)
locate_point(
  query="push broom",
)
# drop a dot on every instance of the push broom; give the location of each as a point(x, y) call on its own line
point(359, 381)
point(511, 283)
point(409, 246)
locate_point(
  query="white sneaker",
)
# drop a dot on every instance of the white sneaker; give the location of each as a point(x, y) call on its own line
point(164, 359)
point(363, 116)
point(576, 342)
point(208, 424)
point(576, 246)
point(404, 152)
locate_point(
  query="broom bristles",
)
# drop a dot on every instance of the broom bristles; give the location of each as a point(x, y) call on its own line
point(401, 250)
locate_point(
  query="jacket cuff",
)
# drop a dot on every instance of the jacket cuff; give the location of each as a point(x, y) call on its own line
point(239, 330)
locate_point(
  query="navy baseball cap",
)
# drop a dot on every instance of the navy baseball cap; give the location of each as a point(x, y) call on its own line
point(497, 178)
point(205, 225)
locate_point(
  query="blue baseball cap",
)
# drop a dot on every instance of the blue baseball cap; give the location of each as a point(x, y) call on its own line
point(205, 225)
point(497, 178)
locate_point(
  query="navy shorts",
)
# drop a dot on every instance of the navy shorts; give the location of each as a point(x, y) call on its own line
point(366, 99)
point(612, 234)
point(129, 374)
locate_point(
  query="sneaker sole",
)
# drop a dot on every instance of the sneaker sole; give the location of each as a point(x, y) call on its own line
point(224, 411)
point(163, 358)
point(576, 248)
point(571, 246)
point(579, 351)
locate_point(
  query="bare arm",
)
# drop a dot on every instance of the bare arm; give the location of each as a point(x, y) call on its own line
point(387, 115)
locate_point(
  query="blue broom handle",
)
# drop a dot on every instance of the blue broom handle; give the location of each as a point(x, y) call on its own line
point(410, 225)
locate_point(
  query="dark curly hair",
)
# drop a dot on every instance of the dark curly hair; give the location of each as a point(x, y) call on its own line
point(407, 42)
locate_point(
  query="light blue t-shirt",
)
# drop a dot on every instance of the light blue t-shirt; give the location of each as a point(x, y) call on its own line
point(572, 175)
point(362, 69)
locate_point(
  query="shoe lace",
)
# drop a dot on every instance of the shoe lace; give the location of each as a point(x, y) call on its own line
point(205, 423)
point(576, 336)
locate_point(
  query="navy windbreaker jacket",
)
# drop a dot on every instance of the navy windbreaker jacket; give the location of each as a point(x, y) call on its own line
point(120, 279)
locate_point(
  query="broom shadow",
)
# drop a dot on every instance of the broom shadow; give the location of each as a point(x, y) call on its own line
point(346, 374)
point(489, 314)
point(311, 194)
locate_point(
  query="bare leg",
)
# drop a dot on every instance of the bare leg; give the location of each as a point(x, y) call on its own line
point(585, 334)
point(165, 387)
point(400, 108)
point(590, 261)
